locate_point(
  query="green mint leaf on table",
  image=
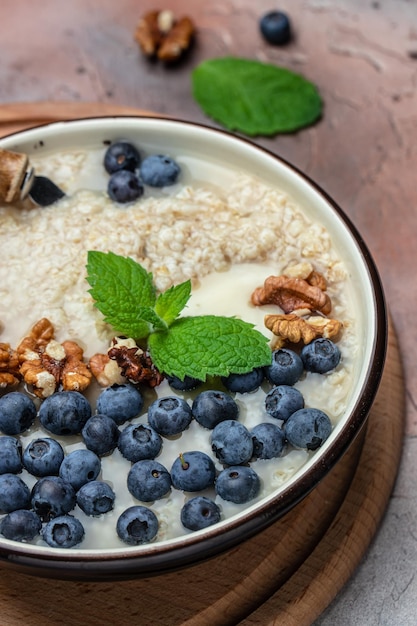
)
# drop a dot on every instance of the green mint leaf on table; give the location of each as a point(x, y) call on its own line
point(201, 346)
point(209, 345)
point(255, 98)
point(171, 302)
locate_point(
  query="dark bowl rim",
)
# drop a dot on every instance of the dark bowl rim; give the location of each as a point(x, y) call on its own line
point(159, 558)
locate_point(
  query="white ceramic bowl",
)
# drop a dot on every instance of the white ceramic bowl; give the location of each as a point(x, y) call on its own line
point(213, 152)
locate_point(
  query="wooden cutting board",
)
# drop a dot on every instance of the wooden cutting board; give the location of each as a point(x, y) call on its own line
point(286, 575)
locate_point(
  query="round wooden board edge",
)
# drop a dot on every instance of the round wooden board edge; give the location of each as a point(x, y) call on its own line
point(302, 599)
point(312, 588)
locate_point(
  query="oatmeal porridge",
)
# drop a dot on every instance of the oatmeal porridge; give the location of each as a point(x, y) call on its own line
point(226, 239)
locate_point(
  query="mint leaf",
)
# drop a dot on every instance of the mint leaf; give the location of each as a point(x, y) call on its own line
point(209, 345)
point(253, 97)
point(119, 287)
point(170, 303)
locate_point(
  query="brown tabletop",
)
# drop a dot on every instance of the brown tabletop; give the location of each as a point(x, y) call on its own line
point(362, 55)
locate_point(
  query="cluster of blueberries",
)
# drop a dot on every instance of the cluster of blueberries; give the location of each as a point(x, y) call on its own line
point(128, 173)
point(67, 480)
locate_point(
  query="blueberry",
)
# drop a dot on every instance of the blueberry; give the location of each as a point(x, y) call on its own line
point(238, 484)
point(244, 383)
point(275, 28)
point(124, 187)
point(200, 512)
point(286, 367)
point(169, 416)
point(80, 467)
point(64, 531)
point(139, 441)
point(283, 400)
point(96, 498)
point(121, 155)
point(20, 525)
point(186, 384)
point(17, 413)
point(268, 441)
point(14, 493)
point(120, 402)
point(137, 525)
point(231, 442)
point(159, 170)
point(10, 455)
point(51, 496)
point(308, 428)
point(148, 480)
point(320, 356)
point(64, 413)
point(43, 457)
point(212, 407)
point(100, 434)
point(193, 471)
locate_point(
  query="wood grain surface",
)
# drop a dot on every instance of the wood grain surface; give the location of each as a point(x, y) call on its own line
point(288, 574)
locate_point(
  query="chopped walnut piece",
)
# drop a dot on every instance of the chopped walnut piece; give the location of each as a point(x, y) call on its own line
point(124, 361)
point(292, 328)
point(136, 365)
point(159, 34)
point(75, 375)
point(9, 366)
point(291, 294)
point(46, 364)
point(306, 271)
point(106, 371)
point(39, 336)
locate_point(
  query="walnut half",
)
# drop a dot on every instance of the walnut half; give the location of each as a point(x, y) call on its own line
point(292, 293)
point(159, 34)
point(292, 328)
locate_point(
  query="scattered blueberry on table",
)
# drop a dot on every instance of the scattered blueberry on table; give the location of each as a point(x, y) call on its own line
point(275, 27)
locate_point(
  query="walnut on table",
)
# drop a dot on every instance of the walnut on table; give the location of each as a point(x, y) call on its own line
point(47, 365)
point(159, 34)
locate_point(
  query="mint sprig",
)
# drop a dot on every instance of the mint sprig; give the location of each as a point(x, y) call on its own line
point(255, 98)
point(200, 346)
